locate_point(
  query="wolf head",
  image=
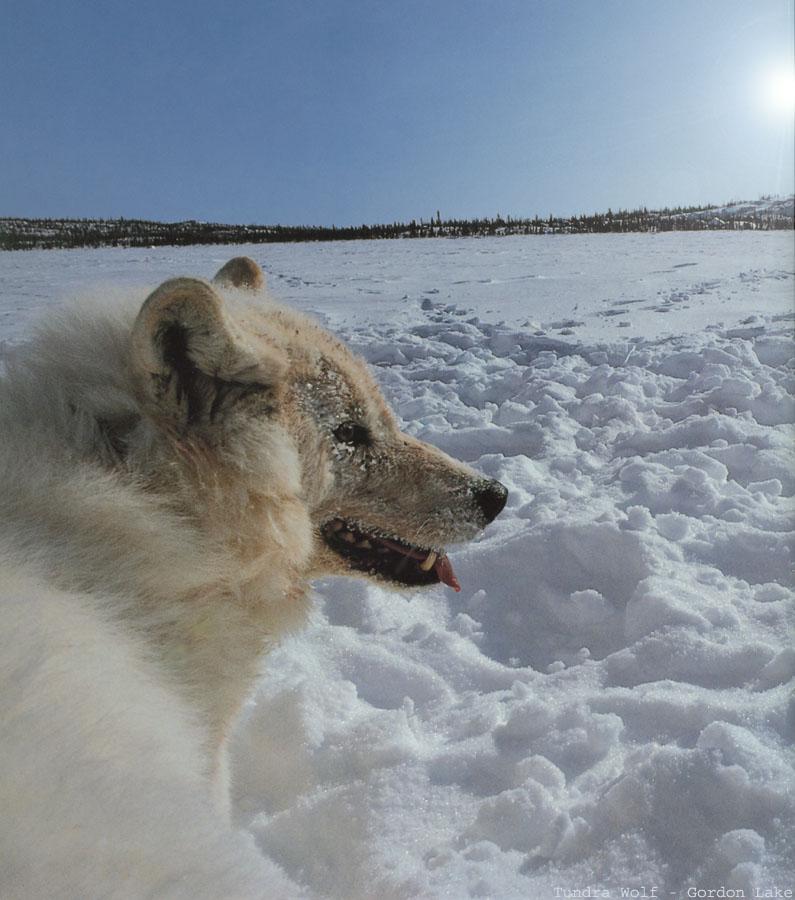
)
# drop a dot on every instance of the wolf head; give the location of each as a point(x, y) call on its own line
point(300, 420)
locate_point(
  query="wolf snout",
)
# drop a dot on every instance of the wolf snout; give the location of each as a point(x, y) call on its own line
point(491, 497)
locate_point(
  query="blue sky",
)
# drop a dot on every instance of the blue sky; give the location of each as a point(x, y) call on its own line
point(305, 111)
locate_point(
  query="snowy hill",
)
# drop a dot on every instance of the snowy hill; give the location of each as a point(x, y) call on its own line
point(740, 214)
point(608, 701)
point(25, 234)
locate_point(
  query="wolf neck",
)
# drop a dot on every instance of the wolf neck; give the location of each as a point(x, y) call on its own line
point(210, 577)
point(227, 626)
point(219, 631)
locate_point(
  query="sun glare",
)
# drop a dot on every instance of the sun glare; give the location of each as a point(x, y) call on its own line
point(779, 91)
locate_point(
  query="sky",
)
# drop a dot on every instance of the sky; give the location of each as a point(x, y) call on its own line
point(351, 111)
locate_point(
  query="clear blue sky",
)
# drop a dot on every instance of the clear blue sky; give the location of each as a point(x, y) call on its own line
point(348, 111)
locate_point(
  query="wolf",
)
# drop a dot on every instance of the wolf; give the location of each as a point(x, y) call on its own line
point(173, 476)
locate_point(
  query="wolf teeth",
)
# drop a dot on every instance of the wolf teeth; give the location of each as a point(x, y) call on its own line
point(427, 564)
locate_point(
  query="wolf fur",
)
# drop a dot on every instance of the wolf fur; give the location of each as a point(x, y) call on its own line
point(166, 475)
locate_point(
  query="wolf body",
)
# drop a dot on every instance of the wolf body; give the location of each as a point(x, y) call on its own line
point(172, 476)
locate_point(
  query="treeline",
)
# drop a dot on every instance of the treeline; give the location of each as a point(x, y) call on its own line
point(28, 234)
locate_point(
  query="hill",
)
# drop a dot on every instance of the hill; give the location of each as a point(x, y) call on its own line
point(768, 213)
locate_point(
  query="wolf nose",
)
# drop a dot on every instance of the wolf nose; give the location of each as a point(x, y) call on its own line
point(491, 497)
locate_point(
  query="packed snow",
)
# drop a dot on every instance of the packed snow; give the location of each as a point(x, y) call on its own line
point(608, 701)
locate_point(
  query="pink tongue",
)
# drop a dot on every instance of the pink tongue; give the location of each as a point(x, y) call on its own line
point(444, 571)
point(443, 567)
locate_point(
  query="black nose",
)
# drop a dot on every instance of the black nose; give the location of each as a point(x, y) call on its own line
point(491, 497)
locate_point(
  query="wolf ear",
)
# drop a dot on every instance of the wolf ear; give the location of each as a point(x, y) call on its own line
point(240, 272)
point(191, 362)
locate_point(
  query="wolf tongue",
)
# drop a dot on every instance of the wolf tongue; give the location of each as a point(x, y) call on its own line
point(445, 574)
point(443, 567)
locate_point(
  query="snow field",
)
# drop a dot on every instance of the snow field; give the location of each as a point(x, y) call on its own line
point(608, 701)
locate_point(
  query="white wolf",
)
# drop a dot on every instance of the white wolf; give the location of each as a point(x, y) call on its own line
point(170, 479)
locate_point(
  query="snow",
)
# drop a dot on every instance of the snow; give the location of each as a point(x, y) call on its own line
point(607, 702)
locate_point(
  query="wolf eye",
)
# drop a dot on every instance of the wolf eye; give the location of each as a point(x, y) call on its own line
point(352, 433)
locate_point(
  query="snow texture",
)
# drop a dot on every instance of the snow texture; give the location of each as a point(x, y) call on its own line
point(608, 701)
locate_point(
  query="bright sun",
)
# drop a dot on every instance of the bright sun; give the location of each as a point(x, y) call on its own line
point(779, 91)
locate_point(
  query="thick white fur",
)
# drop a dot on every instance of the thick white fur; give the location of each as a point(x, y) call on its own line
point(147, 562)
point(103, 791)
point(105, 786)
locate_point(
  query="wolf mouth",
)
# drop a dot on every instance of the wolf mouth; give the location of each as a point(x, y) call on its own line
point(390, 557)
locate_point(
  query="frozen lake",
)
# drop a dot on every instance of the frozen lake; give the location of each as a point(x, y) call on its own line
point(664, 283)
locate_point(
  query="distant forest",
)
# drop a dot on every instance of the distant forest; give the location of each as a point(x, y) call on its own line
point(29, 234)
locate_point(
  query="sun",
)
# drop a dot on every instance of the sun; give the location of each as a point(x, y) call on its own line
point(779, 91)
